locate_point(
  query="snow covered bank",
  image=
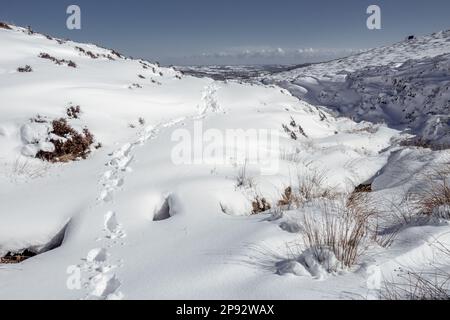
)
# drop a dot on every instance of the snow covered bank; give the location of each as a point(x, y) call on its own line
point(133, 223)
point(405, 85)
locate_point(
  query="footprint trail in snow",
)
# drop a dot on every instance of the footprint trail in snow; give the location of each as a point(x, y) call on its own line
point(101, 280)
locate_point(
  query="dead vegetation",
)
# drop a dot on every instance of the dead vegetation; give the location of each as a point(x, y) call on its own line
point(243, 180)
point(135, 86)
point(27, 68)
point(423, 143)
point(68, 63)
point(362, 188)
point(73, 112)
point(13, 258)
point(23, 167)
point(93, 55)
point(433, 200)
point(69, 144)
point(411, 285)
point(4, 25)
point(432, 284)
point(343, 228)
point(260, 205)
point(294, 130)
point(311, 184)
point(288, 199)
point(115, 53)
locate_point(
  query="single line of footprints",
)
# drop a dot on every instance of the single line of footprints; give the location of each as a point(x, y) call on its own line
point(101, 281)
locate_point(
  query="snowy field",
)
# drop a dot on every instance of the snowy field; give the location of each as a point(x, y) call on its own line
point(131, 217)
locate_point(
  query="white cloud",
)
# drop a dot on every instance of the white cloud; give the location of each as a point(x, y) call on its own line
point(268, 55)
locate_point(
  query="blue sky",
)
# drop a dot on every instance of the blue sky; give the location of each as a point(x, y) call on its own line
point(231, 31)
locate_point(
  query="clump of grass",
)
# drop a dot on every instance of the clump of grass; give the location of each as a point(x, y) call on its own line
point(311, 184)
point(260, 205)
point(294, 130)
point(243, 180)
point(435, 197)
point(22, 167)
point(342, 228)
point(412, 285)
point(289, 199)
point(433, 284)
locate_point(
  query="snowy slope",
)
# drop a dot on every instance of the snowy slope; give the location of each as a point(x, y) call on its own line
point(136, 224)
point(404, 85)
point(420, 47)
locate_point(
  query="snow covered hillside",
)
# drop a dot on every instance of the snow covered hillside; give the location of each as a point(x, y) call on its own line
point(95, 204)
point(405, 85)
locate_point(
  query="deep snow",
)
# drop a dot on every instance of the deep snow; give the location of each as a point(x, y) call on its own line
point(139, 226)
point(405, 85)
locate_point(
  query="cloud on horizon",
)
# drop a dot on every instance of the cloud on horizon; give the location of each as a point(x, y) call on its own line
point(265, 55)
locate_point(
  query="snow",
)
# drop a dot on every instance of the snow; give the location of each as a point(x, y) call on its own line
point(140, 226)
point(405, 85)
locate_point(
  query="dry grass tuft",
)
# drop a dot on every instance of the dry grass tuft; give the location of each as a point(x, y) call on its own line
point(413, 285)
point(260, 205)
point(433, 200)
point(343, 228)
point(22, 167)
point(289, 199)
point(243, 180)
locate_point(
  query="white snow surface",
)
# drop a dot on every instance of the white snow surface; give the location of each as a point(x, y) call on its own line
point(139, 226)
point(405, 85)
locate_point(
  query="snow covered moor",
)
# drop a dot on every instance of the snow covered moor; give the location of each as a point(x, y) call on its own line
point(122, 179)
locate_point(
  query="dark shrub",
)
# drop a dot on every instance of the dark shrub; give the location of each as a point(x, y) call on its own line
point(73, 112)
point(71, 144)
point(4, 26)
point(260, 205)
point(69, 63)
point(27, 68)
point(12, 258)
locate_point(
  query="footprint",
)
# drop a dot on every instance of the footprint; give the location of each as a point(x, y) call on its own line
point(108, 175)
point(121, 163)
point(105, 286)
point(123, 151)
point(114, 183)
point(99, 255)
point(111, 224)
point(112, 227)
point(106, 195)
